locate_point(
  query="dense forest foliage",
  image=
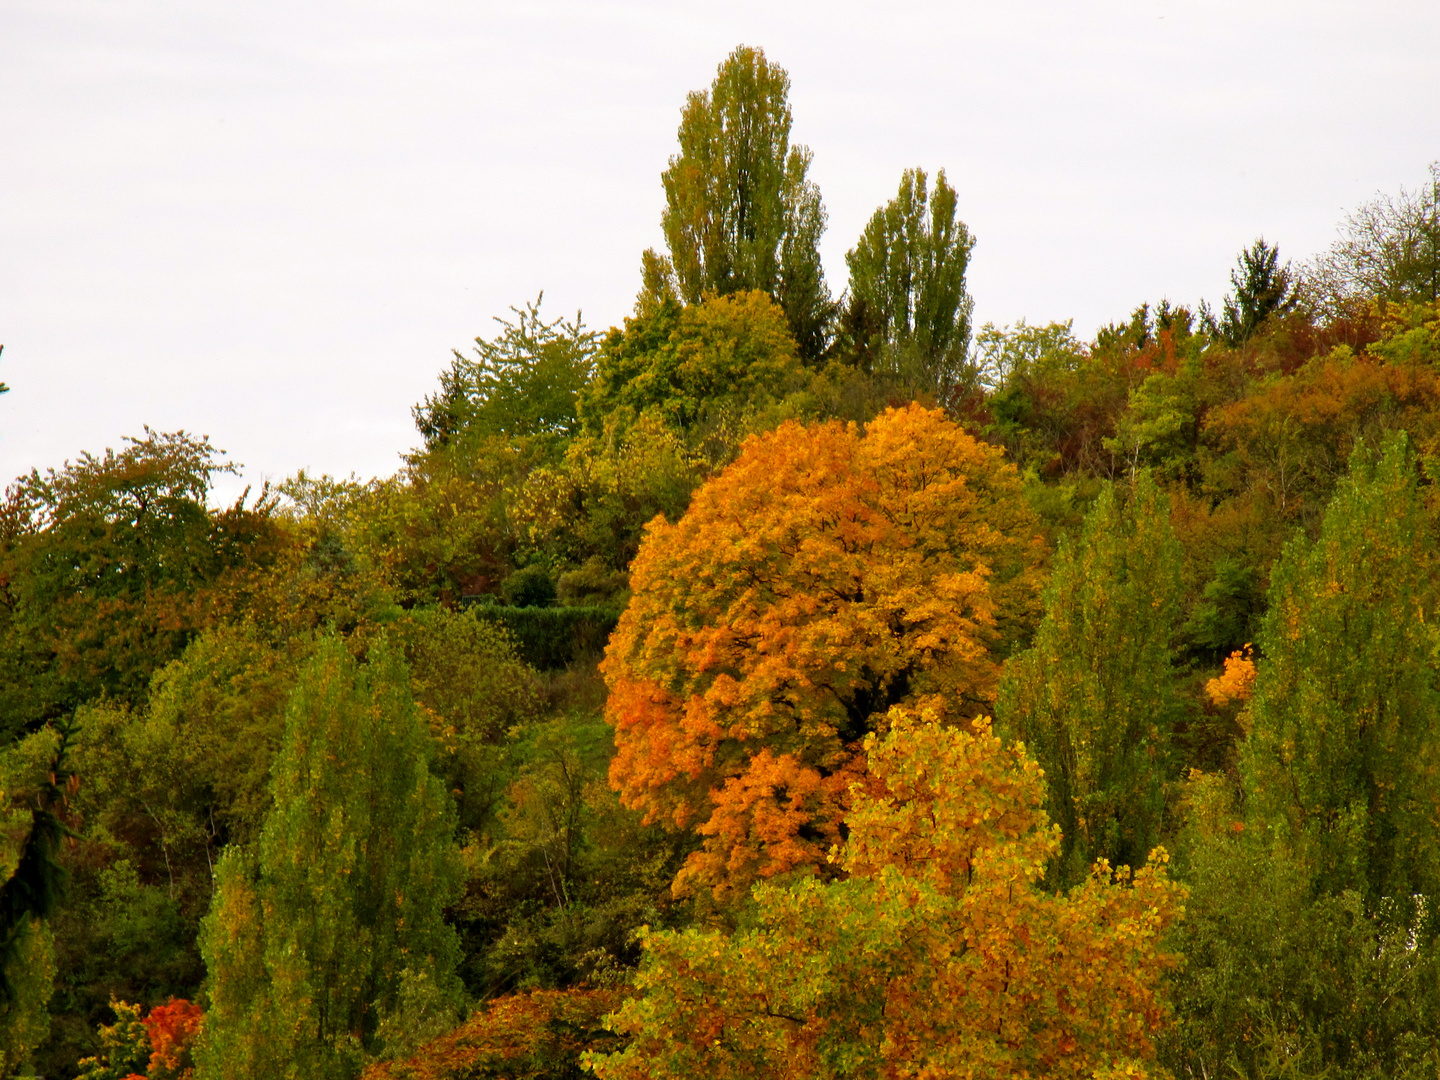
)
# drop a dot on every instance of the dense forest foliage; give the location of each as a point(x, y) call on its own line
point(780, 684)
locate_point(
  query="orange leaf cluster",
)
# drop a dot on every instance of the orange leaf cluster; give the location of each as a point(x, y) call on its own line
point(828, 574)
point(1236, 682)
point(173, 1029)
point(162, 1041)
point(541, 1033)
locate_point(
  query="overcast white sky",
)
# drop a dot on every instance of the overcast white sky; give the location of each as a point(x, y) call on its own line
point(270, 221)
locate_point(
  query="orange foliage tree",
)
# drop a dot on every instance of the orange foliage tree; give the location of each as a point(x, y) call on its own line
point(537, 1035)
point(1236, 682)
point(161, 1043)
point(828, 574)
point(938, 957)
point(1291, 440)
point(173, 1029)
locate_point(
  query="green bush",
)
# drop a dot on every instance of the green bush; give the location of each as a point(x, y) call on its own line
point(551, 637)
point(530, 586)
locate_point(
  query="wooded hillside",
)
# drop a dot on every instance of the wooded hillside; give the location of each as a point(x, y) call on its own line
point(784, 683)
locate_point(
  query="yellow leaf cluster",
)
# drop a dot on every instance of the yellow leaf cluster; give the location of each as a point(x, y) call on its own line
point(938, 957)
point(1236, 682)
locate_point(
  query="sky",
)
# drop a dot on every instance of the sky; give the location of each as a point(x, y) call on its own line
point(269, 222)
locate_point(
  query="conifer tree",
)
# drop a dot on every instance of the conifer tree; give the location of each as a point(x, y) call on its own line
point(310, 941)
point(1262, 288)
point(740, 210)
point(1342, 754)
point(1093, 698)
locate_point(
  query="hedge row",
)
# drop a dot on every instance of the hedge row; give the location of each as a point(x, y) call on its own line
point(552, 637)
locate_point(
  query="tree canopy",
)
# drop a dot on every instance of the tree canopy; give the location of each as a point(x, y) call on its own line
point(311, 944)
point(740, 210)
point(523, 382)
point(828, 574)
point(938, 956)
point(1093, 697)
point(1388, 249)
point(908, 305)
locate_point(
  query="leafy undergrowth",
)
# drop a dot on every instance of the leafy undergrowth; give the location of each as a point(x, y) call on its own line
point(538, 1035)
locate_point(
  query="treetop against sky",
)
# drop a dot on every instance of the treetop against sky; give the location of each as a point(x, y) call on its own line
point(271, 224)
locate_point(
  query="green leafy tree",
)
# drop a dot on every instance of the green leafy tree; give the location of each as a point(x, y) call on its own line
point(1280, 982)
point(1262, 288)
point(109, 567)
point(568, 873)
point(443, 527)
point(523, 382)
point(37, 784)
point(34, 780)
point(1008, 355)
point(165, 788)
point(473, 690)
point(190, 772)
point(1310, 933)
point(309, 940)
point(24, 1018)
point(1158, 428)
point(732, 351)
point(1093, 698)
point(126, 931)
point(125, 1046)
point(530, 586)
point(740, 211)
point(593, 508)
point(907, 274)
point(1342, 755)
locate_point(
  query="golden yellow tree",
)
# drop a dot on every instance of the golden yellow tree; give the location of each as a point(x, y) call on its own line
point(827, 575)
point(940, 956)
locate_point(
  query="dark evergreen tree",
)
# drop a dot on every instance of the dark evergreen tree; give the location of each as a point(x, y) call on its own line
point(1262, 288)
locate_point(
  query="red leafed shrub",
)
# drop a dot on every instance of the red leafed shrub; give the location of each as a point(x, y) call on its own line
point(173, 1028)
point(538, 1035)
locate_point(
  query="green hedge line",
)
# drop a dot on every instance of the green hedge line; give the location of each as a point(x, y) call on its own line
point(551, 637)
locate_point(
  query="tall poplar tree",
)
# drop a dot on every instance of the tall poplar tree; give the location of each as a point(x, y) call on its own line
point(1310, 938)
point(1342, 755)
point(740, 210)
point(311, 940)
point(907, 281)
point(1093, 699)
